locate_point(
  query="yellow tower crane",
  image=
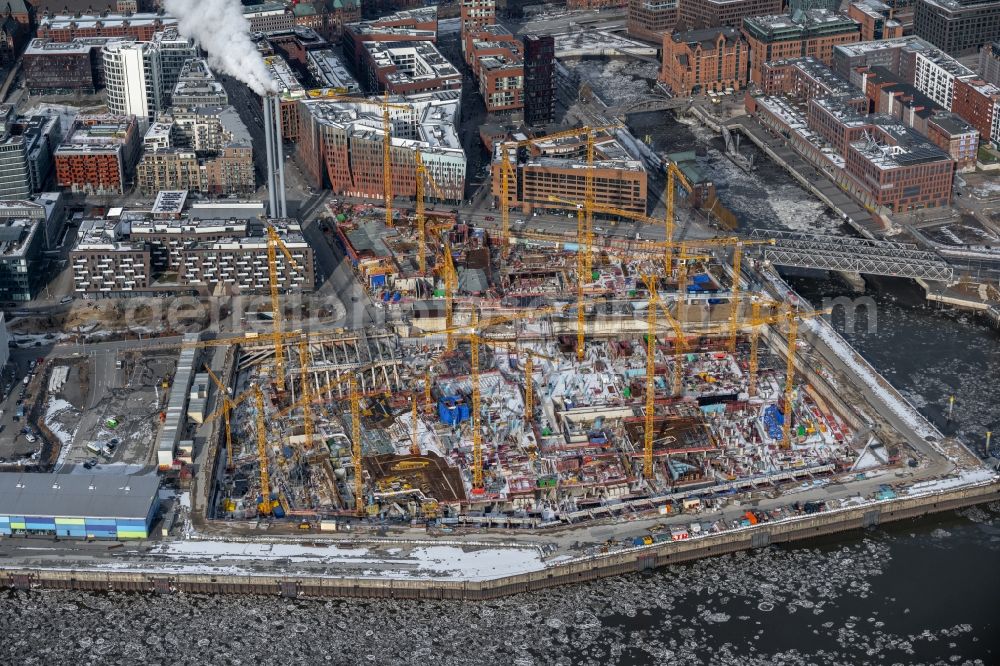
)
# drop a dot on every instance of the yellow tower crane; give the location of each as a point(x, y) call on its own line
point(263, 462)
point(414, 430)
point(308, 428)
point(227, 409)
point(274, 243)
point(508, 173)
point(354, 396)
point(423, 178)
point(674, 175)
point(450, 288)
point(791, 318)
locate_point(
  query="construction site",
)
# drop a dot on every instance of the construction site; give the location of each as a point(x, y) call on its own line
point(525, 379)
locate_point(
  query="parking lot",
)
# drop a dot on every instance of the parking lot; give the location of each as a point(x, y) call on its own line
point(100, 407)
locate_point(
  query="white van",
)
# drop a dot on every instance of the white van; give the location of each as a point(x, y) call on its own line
point(94, 447)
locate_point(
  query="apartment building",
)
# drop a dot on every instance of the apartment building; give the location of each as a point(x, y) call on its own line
point(137, 255)
point(902, 169)
point(979, 103)
point(403, 68)
point(59, 68)
point(652, 20)
point(140, 76)
point(416, 25)
point(340, 144)
point(197, 86)
point(812, 33)
point(98, 154)
point(989, 63)
point(473, 16)
point(874, 157)
point(539, 79)
point(876, 19)
point(699, 61)
point(558, 168)
point(139, 27)
point(228, 172)
point(497, 61)
point(806, 78)
point(957, 26)
point(935, 74)
point(268, 17)
point(952, 134)
point(22, 240)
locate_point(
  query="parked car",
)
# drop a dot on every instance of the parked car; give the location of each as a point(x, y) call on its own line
point(66, 299)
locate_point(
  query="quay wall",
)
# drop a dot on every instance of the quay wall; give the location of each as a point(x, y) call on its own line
point(564, 573)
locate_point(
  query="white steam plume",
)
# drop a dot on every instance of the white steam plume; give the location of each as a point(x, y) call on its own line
point(219, 27)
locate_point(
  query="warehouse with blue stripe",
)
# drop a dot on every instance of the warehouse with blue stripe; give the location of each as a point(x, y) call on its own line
point(100, 506)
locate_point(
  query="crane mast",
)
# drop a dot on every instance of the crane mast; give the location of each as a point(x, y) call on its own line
point(308, 426)
point(265, 477)
point(227, 408)
point(387, 160)
point(786, 426)
point(647, 450)
point(359, 504)
point(421, 221)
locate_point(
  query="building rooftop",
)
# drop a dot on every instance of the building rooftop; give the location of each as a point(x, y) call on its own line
point(263, 9)
point(941, 59)
point(707, 37)
point(799, 24)
point(290, 86)
point(330, 71)
point(16, 234)
point(48, 47)
point(196, 80)
point(895, 146)
point(952, 123)
point(66, 21)
point(431, 116)
point(78, 495)
point(97, 133)
point(169, 202)
point(417, 61)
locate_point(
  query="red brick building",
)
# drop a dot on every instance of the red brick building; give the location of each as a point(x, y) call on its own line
point(978, 102)
point(698, 61)
point(98, 155)
point(696, 14)
point(956, 137)
point(812, 33)
point(876, 19)
point(652, 20)
point(141, 27)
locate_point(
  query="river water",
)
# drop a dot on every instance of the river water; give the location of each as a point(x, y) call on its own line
point(925, 592)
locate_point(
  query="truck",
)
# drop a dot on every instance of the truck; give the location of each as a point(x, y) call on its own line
point(94, 447)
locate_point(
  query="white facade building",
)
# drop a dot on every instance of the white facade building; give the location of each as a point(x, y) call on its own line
point(934, 74)
point(134, 80)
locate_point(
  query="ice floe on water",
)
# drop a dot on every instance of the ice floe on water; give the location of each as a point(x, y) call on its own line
point(792, 606)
